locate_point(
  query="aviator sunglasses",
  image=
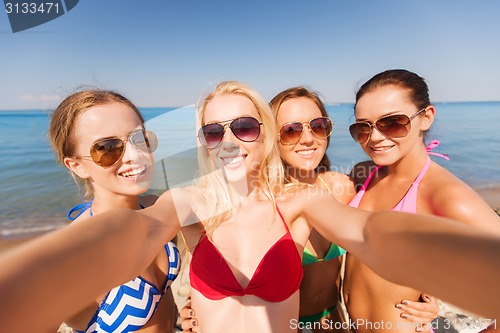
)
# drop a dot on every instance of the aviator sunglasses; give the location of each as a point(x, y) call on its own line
point(290, 133)
point(106, 152)
point(246, 129)
point(393, 126)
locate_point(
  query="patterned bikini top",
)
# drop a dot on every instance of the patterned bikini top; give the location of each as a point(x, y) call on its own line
point(127, 308)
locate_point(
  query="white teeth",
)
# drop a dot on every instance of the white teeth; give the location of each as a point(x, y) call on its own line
point(381, 148)
point(306, 152)
point(232, 160)
point(133, 172)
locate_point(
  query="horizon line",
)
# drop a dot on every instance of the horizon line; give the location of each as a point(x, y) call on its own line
point(178, 107)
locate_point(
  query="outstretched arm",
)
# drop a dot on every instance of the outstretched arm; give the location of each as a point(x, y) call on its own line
point(68, 268)
point(451, 254)
point(400, 246)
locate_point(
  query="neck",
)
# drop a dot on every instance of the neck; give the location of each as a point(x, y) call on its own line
point(410, 165)
point(107, 201)
point(303, 176)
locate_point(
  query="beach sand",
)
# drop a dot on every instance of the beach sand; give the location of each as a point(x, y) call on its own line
point(181, 287)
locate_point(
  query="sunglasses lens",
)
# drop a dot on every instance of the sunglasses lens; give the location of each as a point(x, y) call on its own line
point(394, 126)
point(211, 135)
point(247, 129)
point(144, 140)
point(321, 127)
point(107, 152)
point(290, 133)
point(360, 132)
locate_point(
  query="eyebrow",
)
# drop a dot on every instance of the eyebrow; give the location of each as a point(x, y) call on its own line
point(383, 116)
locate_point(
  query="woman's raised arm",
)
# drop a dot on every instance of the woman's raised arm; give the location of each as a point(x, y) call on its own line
point(400, 246)
point(53, 276)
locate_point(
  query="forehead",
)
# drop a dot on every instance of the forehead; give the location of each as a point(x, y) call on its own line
point(382, 100)
point(300, 109)
point(225, 107)
point(111, 119)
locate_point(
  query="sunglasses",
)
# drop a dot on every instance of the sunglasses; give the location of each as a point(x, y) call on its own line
point(246, 129)
point(290, 133)
point(393, 126)
point(106, 152)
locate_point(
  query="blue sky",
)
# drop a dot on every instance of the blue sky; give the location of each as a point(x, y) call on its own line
point(168, 53)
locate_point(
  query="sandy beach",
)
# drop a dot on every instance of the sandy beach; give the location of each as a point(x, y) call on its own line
point(181, 287)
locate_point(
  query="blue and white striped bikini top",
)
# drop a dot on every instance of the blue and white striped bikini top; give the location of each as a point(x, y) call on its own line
point(129, 307)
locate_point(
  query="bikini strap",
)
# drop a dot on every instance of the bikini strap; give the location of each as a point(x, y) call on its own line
point(431, 146)
point(324, 184)
point(369, 179)
point(282, 219)
point(423, 171)
point(79, 210)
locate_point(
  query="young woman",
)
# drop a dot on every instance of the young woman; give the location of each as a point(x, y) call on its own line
point(246, 250)
point(393, 113)
point(304, 131)
point(304, 135)
point(246, 270)
point(100, 137)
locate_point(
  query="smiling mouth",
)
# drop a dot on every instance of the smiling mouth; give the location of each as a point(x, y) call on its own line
point(307, 152)
point(232, 160)
point(382, 148)
point(133, 173)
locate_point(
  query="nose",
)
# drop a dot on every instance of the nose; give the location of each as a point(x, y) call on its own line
point(229, 140)
point(306, 137)
point(131, 153)
point(375, 134)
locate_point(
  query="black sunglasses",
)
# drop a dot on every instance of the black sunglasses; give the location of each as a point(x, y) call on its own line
point(246, 129)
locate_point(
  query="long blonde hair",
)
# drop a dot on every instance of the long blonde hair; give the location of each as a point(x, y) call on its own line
point(213, 186)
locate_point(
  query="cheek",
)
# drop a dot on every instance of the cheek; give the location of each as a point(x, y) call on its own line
point(285, 152)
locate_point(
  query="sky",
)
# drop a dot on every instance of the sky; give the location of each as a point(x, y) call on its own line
point(162, 53)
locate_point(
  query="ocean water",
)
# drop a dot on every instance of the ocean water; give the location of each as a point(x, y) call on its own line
point(36, 192)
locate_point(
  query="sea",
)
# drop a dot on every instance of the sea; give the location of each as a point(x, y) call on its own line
point(36, 192)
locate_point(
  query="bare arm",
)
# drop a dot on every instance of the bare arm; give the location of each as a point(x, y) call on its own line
point(441, 248)
point(67, 269)
point(399, 246)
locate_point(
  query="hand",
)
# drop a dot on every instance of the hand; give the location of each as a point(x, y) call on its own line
point(421, 313)
point(189, 321)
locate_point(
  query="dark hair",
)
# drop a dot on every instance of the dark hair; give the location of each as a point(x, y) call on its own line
point(297, 92)
point(414, 84)
point(418, 91)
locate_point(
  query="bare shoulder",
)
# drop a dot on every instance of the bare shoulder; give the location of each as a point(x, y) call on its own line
point(333, 177)
point(360, 172)
point(341, 185)
point(305, 198)
point(451, 197)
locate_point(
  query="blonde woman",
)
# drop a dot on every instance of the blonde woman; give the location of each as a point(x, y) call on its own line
point(246, 267)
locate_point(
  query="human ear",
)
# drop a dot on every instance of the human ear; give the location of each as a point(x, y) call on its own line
point(428, 118)
point(76, 167)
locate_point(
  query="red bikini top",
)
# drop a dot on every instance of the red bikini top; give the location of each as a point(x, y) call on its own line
point(276, 278)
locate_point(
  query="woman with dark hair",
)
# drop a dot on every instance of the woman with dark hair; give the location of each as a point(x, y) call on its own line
point(393, 113)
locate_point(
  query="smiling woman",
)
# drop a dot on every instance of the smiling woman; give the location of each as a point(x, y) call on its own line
point(100, 137)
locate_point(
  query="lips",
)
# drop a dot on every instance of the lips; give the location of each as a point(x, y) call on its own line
point(307, 153)
point(381, 148)
point(133, 172)
point(233, 160)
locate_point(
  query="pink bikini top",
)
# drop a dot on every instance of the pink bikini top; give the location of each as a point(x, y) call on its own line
point(276, 278)
point(409, 202)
